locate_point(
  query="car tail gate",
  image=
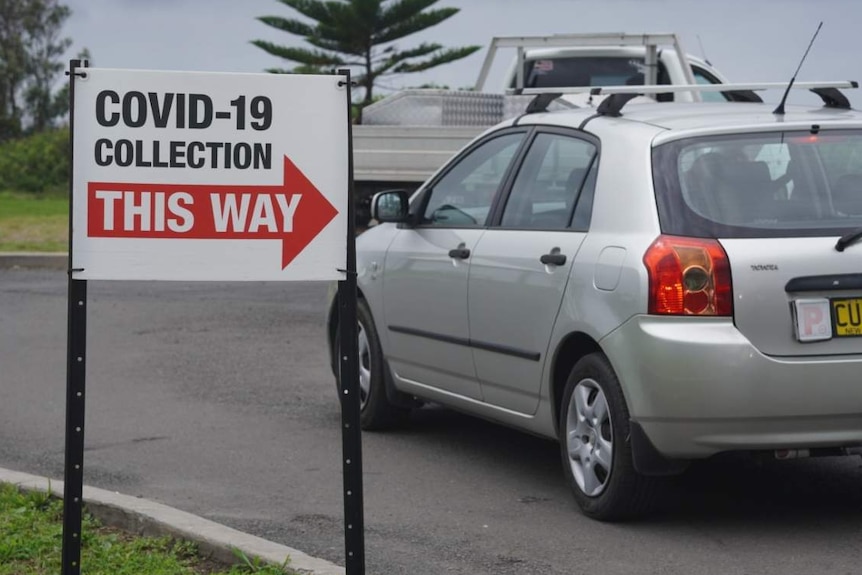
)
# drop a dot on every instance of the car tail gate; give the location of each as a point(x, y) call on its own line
point(796, 296)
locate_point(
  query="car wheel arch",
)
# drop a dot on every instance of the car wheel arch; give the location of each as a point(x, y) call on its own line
point(570, 349)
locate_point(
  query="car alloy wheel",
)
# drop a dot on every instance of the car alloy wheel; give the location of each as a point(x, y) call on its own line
point(595, 444)
point(589, 437)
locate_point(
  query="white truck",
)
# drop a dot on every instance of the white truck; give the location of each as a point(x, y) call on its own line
point(407, 136)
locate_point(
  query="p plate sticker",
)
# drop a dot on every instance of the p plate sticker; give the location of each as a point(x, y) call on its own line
point(812, 319)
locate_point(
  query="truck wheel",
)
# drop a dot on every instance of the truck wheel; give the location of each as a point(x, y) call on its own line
point(595, 445)
point(376, 411)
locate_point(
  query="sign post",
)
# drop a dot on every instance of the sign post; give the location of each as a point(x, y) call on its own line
point(188, 176)
point(354, 521)
point(76, 348)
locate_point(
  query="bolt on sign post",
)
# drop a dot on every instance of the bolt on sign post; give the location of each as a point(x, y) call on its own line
point(190, 176)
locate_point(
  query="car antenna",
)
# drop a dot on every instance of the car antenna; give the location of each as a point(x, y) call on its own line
point(779, 111)
point(702, 51)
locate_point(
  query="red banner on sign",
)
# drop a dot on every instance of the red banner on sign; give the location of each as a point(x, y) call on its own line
point(294, 212)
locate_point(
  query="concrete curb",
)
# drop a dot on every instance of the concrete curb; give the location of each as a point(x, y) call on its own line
point(31, 260)
point(145, 517)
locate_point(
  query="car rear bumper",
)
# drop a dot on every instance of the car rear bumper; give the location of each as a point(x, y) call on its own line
point(698, 387)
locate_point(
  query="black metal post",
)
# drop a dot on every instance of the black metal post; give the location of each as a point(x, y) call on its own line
point(76, 354)
point(351, 434)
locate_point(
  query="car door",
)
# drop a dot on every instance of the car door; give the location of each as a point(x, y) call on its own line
point(521, 266)
point(427, 267)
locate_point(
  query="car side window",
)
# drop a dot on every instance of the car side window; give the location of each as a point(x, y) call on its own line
point(464, 195)
point(704, 78)
point(549, 183)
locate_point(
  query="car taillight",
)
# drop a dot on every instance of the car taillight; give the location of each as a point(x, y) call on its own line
point(688, 276)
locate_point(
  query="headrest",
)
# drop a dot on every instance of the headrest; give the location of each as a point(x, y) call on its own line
point(847, 194)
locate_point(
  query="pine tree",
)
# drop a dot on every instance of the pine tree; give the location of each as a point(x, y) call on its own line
point(361, 34)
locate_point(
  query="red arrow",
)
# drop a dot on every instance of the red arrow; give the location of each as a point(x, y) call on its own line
point(294, 212)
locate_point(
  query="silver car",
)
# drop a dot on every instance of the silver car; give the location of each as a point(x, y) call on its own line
point(649, 285)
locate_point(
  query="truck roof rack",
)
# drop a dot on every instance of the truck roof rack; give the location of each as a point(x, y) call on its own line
point(619, 96)
point(651, 42)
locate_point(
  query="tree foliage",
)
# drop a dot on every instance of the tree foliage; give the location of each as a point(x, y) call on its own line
point(361, 34)
point(38, 163)
point(30, 48)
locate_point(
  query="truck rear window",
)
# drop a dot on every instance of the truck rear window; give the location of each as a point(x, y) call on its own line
point(586, 71)
point(770, 184)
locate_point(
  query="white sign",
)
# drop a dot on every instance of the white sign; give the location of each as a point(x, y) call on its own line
point(213, 177)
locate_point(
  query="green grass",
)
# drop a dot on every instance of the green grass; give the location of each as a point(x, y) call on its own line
point(33, 223)
point(31, 544)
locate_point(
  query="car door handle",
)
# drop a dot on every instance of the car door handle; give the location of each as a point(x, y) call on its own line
point(459, 253)
point(553, 259)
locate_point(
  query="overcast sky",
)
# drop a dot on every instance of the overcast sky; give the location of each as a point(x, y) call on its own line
point(748, 40)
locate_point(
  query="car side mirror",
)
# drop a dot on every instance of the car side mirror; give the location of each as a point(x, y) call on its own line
point(390, 206)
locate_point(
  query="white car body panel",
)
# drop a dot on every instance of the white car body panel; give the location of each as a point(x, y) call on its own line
point(762, 307)
point(503, 313)
point(426, 289)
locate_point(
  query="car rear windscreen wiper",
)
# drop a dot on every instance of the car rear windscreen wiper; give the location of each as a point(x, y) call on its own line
point(848, 239)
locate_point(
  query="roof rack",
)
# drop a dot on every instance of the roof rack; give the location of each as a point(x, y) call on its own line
point(829, 92)
point(597, 90)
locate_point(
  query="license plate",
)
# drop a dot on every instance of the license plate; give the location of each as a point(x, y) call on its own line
point(819, 319)
point(847, 317)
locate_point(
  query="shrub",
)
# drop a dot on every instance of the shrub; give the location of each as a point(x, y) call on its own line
point(37, 164)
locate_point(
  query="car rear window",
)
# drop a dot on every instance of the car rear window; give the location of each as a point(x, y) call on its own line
point(772, 184)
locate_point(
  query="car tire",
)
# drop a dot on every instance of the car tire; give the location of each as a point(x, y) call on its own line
point(376, 411)
point(596, 446)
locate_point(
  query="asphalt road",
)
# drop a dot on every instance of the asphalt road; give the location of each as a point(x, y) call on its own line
point(217, 399)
